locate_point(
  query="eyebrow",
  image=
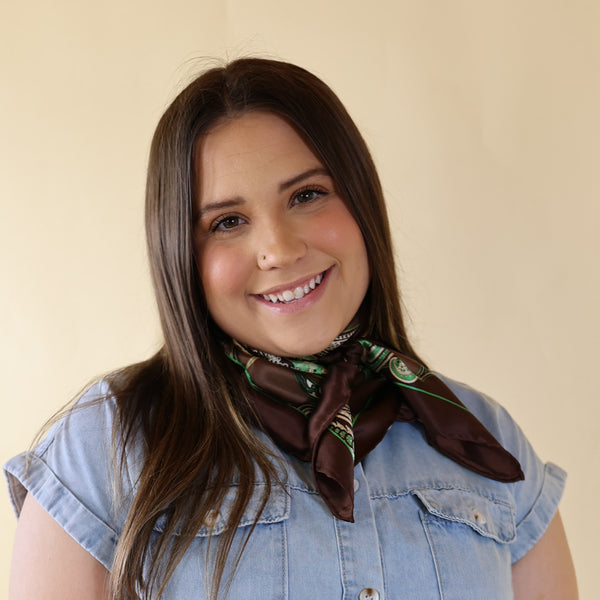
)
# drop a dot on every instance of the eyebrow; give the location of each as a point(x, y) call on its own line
point(284, 185)
point(220, 205)
point(301, 176)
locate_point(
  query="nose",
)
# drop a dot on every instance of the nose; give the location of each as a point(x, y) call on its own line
point(279, 247)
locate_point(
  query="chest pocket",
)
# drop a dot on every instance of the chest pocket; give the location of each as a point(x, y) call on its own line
point(468, 536)
point(262, 570)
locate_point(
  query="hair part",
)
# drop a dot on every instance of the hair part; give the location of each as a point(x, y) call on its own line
point(187, 402)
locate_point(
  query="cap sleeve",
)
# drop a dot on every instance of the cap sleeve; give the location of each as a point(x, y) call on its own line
point(71, 474)
point(537, 497)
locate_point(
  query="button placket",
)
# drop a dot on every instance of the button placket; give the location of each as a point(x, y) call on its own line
point(359, 547)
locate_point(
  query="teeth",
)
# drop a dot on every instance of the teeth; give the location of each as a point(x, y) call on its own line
point(296, 294)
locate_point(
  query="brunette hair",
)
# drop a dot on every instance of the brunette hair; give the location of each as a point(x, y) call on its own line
point(186, 402)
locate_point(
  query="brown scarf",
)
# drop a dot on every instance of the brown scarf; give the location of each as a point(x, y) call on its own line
point(333, 408)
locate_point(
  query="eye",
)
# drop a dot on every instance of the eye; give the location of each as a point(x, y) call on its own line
point(307, 194)
point(226, 223)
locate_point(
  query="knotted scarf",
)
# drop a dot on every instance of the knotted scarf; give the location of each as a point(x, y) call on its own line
point(333, 408)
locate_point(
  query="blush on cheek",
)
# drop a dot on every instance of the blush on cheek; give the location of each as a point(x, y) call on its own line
point(345, 234)
point(339, 225)
point(221, 274)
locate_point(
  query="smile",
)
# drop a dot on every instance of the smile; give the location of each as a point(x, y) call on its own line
point(291, 295)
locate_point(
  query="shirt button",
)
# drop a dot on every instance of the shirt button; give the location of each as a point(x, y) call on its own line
point(479, 518)
point(368, 594)
point(356, 485)
point(212, 516)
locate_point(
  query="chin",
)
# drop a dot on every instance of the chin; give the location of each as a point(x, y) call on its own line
point(302, 348)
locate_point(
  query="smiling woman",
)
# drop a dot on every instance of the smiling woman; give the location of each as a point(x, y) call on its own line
point(282, 261)
point(286, 441)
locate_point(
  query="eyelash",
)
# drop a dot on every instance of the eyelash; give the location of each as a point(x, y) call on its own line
point(221, 220)
point(315, 190)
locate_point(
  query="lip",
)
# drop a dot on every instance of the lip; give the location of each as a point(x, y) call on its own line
point(300, 303)
point(292, 285)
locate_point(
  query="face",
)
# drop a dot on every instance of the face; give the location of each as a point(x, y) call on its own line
point(282, 261)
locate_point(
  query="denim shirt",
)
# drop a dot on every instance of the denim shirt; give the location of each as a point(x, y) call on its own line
point(425, 527)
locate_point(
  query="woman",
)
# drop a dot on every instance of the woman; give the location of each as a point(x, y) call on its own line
point(225, 466)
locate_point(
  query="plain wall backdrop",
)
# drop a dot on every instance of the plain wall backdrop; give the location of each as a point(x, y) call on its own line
point(483, 117)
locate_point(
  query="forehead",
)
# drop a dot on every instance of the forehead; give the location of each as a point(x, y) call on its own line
point(252, 124)
point(254, 146)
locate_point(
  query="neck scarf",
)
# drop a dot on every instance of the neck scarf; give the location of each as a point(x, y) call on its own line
point(333, 408)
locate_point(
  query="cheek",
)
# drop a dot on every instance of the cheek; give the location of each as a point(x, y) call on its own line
point(223, 274)
point(340, 235)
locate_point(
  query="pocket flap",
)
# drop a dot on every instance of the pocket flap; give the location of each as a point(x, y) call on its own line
point(277, 509)
point(490, 517)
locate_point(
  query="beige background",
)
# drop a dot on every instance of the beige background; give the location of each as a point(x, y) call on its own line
point(483, 116)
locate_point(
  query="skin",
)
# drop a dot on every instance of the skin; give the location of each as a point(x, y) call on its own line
point(546, 572)
point(48, 564)
point(270, 220)
point(262, 194)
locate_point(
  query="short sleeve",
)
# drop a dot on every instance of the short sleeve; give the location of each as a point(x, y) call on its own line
point(71, 475)
point(538, 496)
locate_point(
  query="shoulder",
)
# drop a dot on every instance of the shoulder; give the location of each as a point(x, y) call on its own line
point(507, 431)
point(538, 496)
point(72, 475)
point(85, 425)
point(489, 412)
point(493, 416)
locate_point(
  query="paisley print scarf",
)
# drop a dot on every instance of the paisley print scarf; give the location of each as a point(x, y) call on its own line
point(333, 408)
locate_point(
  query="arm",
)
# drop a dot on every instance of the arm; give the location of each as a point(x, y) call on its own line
point(48, 564)
point(546, 572)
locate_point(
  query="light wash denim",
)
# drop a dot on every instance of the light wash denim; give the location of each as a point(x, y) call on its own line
point(425, 528)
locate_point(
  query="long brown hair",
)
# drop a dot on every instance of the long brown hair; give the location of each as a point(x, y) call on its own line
point(186, 403)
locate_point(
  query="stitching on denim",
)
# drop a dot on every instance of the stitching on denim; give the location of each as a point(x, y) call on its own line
point(425, 522)
point(413, 490)
point(303, 489)
point(535, 503)
point(285, 590)
point(342, 558)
